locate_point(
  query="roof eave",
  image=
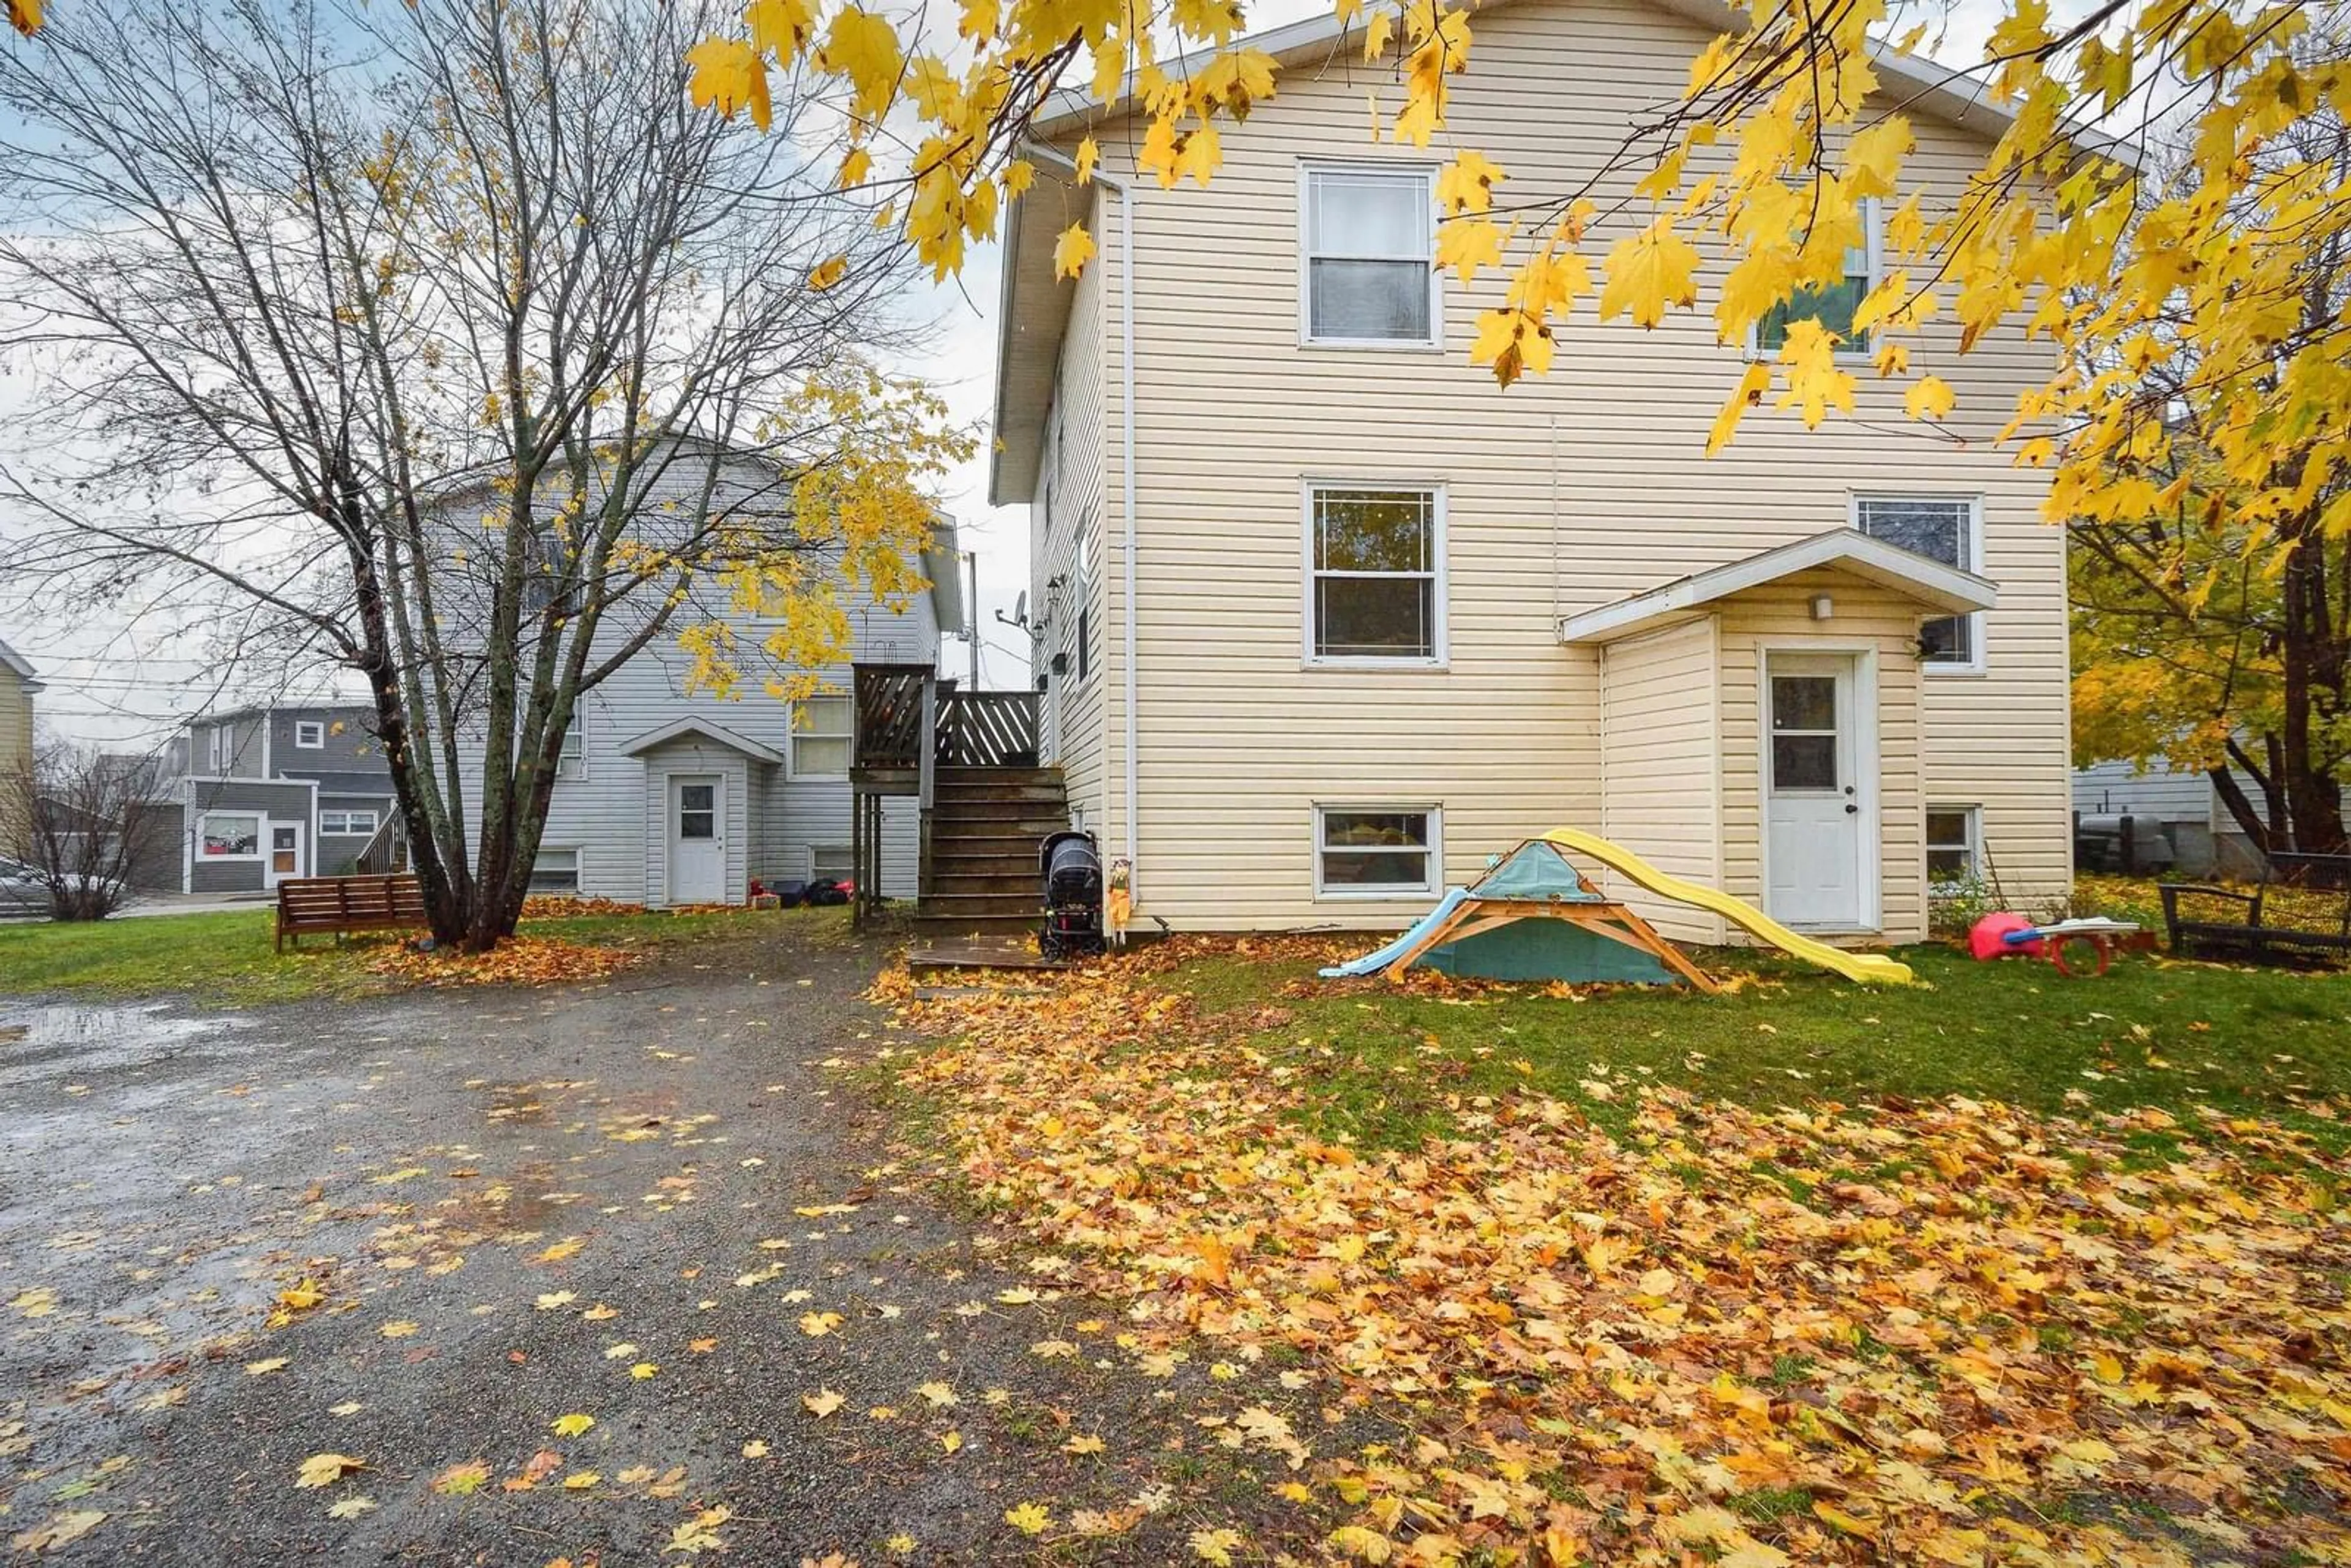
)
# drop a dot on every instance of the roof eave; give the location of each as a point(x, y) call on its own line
point(1936, 587)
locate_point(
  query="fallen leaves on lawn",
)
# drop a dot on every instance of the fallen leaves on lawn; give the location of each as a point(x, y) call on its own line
point(518, 961)
point(1028, 1518)
point(1913, 1333)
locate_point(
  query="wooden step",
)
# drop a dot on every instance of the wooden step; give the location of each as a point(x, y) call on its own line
point(949, 926)
point(999, 775)
point(1022, 905)
point(950, 882)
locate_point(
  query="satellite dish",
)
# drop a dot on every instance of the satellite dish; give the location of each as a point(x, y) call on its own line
point(1019, 616)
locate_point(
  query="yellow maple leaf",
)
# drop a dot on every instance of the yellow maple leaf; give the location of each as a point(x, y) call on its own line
point(1873, 160)
point(728, 75)
point(938, 1393)
point(816, 1324)
point(1653, 270)
point(25, 16)
point(1753, 385)
point(325, 1470)
point(1465, 245)
point(783, 26)
point(1072, 251)
point(822, 1402)
point(951, 1442)
point(1467, 184)
point(581, 1480)
point(572, 1426)
point(462, 1481)
point(643, 1370)
point(827, 273)
point(1929, 397)
point(1815, 382)
point(1089, 154)
point(402, 1329)
point(1215, 1546)
point(263, 1368)
point(1199, 155)
point(1028, 1518)
point(1363, 1544)
point(863, 48)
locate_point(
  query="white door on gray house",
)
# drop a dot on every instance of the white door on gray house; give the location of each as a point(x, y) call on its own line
point(697, 838)
point(1813, 811)
point(285, 859)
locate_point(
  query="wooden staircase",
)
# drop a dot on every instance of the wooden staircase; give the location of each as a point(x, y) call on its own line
point(980, 876)
point(970, 760)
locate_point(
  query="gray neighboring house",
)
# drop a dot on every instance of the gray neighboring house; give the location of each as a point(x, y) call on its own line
point(2205, 838)
point(272, 792)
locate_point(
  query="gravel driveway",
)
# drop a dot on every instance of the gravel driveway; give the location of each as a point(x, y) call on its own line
point(661, 1204)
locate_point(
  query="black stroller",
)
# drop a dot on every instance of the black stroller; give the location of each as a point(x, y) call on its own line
point(1073, 895)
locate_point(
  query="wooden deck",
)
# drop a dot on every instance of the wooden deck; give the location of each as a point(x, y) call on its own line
point(980, 953)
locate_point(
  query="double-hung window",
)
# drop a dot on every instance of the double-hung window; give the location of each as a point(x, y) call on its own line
point(822, 727)
point(346, 824)
point(1953, 833)
point(571, 759)
point(1374, 574)
point(1833, 305)
point(1377, 851)
point(1947, 528)
point(1370, 237)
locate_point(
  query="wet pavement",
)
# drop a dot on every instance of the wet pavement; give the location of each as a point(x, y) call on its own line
point(422, 1233)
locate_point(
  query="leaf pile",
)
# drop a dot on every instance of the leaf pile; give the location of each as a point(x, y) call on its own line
point(518, 961)
point(1946, 1333)
point(571, 906)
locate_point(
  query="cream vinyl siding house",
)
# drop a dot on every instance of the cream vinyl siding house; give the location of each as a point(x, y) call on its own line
point(1372, 587)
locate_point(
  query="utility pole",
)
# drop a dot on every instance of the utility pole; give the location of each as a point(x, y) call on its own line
point(971, 614)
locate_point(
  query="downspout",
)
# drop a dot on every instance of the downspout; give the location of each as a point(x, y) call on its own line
point(1060, 160)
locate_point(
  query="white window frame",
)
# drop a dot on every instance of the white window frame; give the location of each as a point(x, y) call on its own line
point(793, 736)
point(343, 822)
point(571, 757)
point(317, 730)
point(579, 853)
point(845, 851)
point(1440, 644)
point(1352, 894)
point(1973, 816)
point(1873, 251)
point(260, 820)
point(213, 750)
point(1973, 543)
point(1425, 173)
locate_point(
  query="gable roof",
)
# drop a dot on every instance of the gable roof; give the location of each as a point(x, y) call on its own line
point(701, 729)
point(12, 660)
point(1940, 587)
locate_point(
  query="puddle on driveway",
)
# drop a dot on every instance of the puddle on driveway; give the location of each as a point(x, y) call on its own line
point(108, 1026)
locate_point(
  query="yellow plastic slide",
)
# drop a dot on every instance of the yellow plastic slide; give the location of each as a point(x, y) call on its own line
point(1868, 968)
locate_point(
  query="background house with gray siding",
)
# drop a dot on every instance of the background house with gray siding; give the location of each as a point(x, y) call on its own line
point(277, 790)
point(668, 797)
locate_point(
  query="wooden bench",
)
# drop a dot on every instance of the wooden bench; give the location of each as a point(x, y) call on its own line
point(2252, 932)
point(316, 905)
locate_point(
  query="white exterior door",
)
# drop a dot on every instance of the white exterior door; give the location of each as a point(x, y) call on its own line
point(697, 838)
point(284, 860)
point(1814, 792)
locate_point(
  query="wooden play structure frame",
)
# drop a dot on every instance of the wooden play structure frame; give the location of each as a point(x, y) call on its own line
point(1596, 912)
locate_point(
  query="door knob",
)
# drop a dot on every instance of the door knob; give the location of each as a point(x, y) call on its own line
point(1851, 810)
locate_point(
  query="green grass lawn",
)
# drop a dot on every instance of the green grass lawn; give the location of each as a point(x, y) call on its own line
point(1393, 1064)
point(227, 957)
